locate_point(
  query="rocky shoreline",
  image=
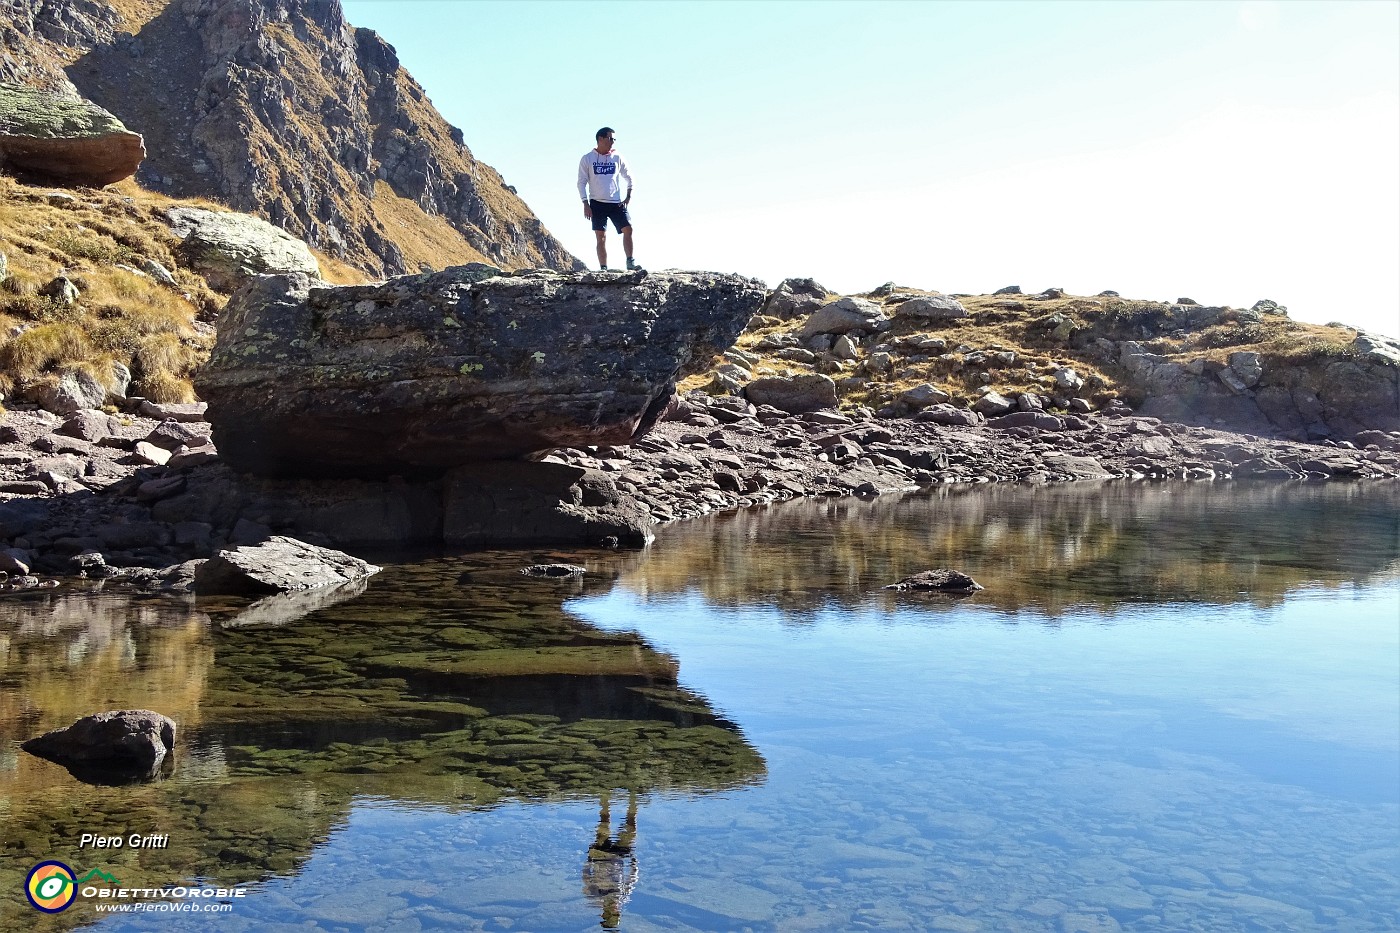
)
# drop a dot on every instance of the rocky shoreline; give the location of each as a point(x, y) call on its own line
point(720, 452)
point(142, 498)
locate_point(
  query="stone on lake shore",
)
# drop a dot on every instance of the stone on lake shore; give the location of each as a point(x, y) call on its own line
point(795, 395)
point(538, 503)
point(278, 565)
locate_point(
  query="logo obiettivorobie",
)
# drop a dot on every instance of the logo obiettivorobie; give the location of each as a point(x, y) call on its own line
point(51, 887)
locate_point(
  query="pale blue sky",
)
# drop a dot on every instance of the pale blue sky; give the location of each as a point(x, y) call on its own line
point(1224, 151)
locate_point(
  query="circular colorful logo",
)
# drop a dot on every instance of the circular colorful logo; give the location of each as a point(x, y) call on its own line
point(50, 887)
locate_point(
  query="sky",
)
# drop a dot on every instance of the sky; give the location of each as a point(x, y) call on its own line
point(1217, 150)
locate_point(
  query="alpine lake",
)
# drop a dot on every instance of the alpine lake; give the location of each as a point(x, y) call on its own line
point(1174, 707)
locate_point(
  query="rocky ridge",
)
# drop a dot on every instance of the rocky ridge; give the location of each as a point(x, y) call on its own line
point(907, 352)
point(285, 110)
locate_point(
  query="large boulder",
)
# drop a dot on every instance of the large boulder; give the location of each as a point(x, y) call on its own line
point(111, 747)
point(64, 140)
point(795, 298)
point(795, 395)
point(1377, 348)
point(227, 247)
point(930, 308)
point(843, 316)
point(424, 373)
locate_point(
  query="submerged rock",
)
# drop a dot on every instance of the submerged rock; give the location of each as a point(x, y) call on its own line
point(945, 581)
point(424, 373)
point(553, 570)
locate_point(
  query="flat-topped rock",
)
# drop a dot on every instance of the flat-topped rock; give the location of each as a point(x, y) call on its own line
point(278, 565)
point(424, 373)
point(65, 140)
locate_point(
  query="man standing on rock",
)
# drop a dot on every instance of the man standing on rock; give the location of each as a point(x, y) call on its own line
point(599, 185)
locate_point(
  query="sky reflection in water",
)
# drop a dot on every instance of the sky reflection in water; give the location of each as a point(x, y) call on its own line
point(1173, 708)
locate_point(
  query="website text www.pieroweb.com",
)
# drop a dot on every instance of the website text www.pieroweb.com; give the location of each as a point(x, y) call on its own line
point(53, 887)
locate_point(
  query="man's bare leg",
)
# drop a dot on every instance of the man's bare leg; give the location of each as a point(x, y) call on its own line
point(626, 241)
point(602, 236)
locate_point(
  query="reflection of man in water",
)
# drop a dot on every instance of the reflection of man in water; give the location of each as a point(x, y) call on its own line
point(610, 872)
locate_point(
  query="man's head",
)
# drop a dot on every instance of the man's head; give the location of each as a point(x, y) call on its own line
point(605, 139)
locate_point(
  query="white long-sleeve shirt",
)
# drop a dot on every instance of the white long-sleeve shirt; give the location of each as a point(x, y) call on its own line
point(598, 176)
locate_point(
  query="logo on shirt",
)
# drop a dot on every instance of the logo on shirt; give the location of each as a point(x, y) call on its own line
point(604, 168)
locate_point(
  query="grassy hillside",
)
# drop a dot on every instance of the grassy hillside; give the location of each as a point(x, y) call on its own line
point(101, 241)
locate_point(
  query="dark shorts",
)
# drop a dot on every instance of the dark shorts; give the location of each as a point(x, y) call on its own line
point(603, 211)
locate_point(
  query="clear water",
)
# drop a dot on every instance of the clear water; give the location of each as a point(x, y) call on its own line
point(1174, 707)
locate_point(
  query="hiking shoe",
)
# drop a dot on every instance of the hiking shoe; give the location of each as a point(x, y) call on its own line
point(633, 265)
point(602, 268)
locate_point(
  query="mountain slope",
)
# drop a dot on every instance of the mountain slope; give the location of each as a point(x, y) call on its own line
point(282, 109)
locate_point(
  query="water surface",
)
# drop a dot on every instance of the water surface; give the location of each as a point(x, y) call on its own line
point(1174, 707)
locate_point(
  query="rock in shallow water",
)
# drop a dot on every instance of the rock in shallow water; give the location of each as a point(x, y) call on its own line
point(945, 581)
point(554, 570)
point(110, 747)
point(278, 565)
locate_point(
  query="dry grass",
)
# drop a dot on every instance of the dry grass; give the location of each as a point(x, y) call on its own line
point(39, 349)
point(988, 327)
point(336, 272)
point(121, 315)
point(164, 388)
point(426, 240)
point(154, 201)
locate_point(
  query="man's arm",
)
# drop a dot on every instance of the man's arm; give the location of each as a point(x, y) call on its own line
point(627, 176)
point(583, 186)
